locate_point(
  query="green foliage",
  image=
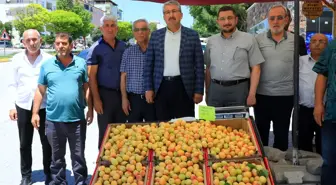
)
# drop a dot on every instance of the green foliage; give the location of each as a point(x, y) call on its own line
point(152, 26)
point(48, 39)
point(205, 18)
point(64, 21)
point(86, 17)
point(124, 31)
point(34, 16)
point(1, 25)
point(95, 34)
point(66, 5)
point(9, 27)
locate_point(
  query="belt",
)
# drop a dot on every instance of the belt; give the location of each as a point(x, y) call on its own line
point(142, 96)
point(172, 78)
point(109, 89)
point(229, 83)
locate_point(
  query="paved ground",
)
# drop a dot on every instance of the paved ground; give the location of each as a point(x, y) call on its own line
point(9, 142)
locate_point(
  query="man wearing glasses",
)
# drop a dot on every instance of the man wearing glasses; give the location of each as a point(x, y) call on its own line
point(132, 87)
point(232, 61)
point(307, 124)
point(174, 68)
point(275, 91)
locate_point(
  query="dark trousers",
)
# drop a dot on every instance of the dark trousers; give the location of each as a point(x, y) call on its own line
point(172, 101)
point(112, 111)
point(140, 109)
point(328, 133)
point(235, 95)
point(277, 109)
point(58, 134)
point(307, 127)
point(26, 132)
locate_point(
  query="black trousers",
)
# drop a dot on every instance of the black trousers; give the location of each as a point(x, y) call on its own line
point(26, 132)
point(277, 109)
point(112, 110)
point(172, 101)
point(140, 109)
point(307, 127)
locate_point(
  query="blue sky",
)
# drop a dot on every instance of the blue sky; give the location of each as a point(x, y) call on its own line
point(133, 10)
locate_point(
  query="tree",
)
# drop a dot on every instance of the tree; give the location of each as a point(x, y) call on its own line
point(66, 5)
point(48, 39)
point(86, 17)
point(1, 25)
point(206, 16)
point(9, 27)
point(124, 31)
point(64, 21)
point(152, 26)
point(95, 34)
point(34, 16)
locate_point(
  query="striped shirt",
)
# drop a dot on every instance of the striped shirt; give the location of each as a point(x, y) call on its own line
point(132, 64)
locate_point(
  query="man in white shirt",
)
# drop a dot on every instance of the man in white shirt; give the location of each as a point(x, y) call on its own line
point(25, 68)
point(307, 124)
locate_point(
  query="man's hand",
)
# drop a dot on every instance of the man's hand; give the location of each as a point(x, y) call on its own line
point(319, 114)
point(98, 105)
point(89, 117)
point(198, 98)
point(251, 100)
point(35, 121)
point(126, 106)
point(13, 114)
point(149, 96)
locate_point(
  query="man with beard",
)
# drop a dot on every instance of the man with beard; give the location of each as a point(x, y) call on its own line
point(307, 124)
point(25, 68)
point(275, 90)
point(64, 81)
point(103, 61)
point(174, 68)
point(132, 87)
point(232, 61)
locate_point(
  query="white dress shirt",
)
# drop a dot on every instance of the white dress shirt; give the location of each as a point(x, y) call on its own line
point(23, 80)
point(307, 81)
point(172, 53)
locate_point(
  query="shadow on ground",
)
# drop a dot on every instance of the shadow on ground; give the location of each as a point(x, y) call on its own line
point(38, 176)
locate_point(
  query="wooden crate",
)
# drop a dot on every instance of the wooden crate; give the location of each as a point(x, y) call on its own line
point(246, 125)
point(256, 160)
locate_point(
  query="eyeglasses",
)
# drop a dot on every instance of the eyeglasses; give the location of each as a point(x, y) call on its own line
point(171, 12)
point(318, 41)
point(140, 29)
point(230, 18)
point(279, 17)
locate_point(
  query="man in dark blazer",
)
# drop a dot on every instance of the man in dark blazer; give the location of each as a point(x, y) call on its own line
point(174, 68)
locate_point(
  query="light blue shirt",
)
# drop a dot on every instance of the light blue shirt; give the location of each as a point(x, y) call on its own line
point(65, 94)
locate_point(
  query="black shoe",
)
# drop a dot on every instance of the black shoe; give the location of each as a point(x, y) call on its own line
point(48, 180)
point(26, 181)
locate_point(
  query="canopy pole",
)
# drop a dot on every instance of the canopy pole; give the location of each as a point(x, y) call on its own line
point(296, 82)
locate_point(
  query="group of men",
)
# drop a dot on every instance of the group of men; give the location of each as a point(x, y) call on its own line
point(162, 77)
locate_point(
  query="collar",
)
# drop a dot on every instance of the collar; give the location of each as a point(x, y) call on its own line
point(233, 35)
point(58, 61)
point(103, 41)
point(178, 31)
point(311, 59)
point(139, 48)
point(269, 34)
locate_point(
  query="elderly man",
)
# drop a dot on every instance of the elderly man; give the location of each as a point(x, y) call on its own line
point(132, 84)
point(64, 81)
point(174, 68)
point(275, 90)
point(25, 68)
point(233, 61)
point(307, 124)
point(325, 110)
point(104, 61)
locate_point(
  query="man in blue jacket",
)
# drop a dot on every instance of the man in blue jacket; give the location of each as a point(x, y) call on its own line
point(174, 68)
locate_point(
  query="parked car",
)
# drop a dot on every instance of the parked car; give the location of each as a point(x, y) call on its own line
point(7, 44)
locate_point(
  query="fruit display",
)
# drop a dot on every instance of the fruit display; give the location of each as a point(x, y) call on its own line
point(170, 152)
point(123, 153)
point(239, 173)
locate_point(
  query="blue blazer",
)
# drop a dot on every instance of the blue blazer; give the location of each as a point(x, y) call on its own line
point(191, 61)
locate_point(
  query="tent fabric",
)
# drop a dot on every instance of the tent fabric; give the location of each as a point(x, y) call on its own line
point(211, 2)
